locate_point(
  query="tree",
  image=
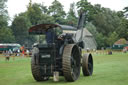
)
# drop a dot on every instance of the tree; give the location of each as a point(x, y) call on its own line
point(34, 13)
point(3, 10)
point(85, 6)
point(120, 14)
point(112, 38)
point(6, 36)
point(56, 10)
point(106, 21)
point(92, 29)
point(126, 12)
point(44, 9)
point(122, 30)
point(20, 27)
point(46, 19)
point(125, 9)
point(37, 14)
point(3, 22)
point(71, 17)
point(100, 39)
point(3, 14)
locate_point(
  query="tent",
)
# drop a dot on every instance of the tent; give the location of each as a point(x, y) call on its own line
point(120, 44)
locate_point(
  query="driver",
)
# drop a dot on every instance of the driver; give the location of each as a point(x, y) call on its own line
point(49, 36)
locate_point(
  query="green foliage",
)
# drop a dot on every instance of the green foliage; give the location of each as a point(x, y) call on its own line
point(56, 10)
point(120, 14)
point(100, 39)
point(91, 28)
point(126, 11)
point(37, 14)
point(122, 30)
point(43, 9)
point(112, 38)
point(3, 14)
point(6, 36)
point(3, 21)
point(46, 19)
point(3, 10)
point(20, 27)
point(83, 5)
point(106, 21)
point(71, 17)
point(34, 13)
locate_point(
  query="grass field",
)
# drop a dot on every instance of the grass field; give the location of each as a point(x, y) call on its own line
point(108, 70)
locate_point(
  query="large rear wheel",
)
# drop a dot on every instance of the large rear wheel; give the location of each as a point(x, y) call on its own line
point(71, 62)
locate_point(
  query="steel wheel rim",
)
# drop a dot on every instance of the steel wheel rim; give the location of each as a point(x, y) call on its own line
point(75, 64)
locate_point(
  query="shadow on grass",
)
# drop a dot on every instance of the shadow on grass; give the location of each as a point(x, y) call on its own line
point(48, 82)
point(61, 81)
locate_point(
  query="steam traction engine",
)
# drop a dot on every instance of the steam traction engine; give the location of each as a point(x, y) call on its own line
point(61, 54)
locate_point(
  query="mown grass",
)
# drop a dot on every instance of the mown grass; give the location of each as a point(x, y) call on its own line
point(108, 70)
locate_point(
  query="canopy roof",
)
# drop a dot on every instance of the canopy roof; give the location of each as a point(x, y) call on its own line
point(67, 27)
point(42, 28)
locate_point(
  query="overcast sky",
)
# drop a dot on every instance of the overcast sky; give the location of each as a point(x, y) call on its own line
point(17, 6)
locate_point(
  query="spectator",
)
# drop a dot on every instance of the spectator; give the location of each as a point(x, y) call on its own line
point(27, 53)
point(7, 55)
point(23, 53)
point(18, 52)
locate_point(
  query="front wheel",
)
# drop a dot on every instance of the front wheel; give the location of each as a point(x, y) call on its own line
point(35, 67)
point(87, 65)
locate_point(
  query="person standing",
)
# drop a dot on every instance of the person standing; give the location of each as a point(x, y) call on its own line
point(7, 55)
point(23, 53)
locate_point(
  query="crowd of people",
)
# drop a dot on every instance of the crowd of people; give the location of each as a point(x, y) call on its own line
point(22, 52)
